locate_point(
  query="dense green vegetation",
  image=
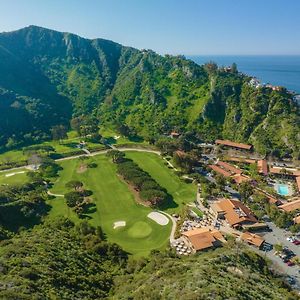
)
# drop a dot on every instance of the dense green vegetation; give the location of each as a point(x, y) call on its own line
point(213, 275)
point(138, 93)
point(21, 206)
point(149, 190)
point(60, 260)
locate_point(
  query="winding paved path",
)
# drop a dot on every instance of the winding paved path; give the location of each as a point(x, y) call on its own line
point(172, 234)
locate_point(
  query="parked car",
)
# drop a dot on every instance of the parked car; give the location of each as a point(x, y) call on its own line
point(290, 239)
point(290, 280)
point(290, 263)
point(296, 242)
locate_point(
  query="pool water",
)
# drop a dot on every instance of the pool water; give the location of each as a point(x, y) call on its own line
point(283, 189)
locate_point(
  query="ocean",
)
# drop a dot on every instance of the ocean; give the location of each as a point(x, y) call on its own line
point(276, 70)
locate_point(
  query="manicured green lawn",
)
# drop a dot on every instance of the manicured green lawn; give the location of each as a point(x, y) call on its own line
point(181, 192)
point(13, 177)
point(66, 146)
point(114, 202)
point(117, 139)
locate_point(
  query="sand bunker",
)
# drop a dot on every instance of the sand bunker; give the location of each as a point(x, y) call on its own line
point(119, 224)
point(158, 218)
point(12, 174)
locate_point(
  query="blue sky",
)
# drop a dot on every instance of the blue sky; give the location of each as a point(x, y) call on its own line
point(169, 26)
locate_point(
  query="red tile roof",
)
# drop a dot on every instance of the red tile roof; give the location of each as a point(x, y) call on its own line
point(252, 238)
point(291, 172)
point(233, 144)
point(235, 211)
point(242, 160)
point(220, 170)
point(239, 178)
point(203, 238)
point(290, 206)
point(262, 166)
point(229, 167)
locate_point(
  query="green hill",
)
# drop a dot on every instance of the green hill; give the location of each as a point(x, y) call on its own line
point(47, 76)
point(59, 260)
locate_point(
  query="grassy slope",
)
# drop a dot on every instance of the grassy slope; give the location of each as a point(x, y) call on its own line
point(114, 202)
point(182, 192)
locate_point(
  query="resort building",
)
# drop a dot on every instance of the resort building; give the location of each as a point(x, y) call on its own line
point(220, 170)
point(203, 238)
point(229, 167)
point(262, 167)
point(290, 206)
point(228, 170)
point(239, 146)
point(234, 212)
point(285, 171)
point(252, 239)
point(241, 160)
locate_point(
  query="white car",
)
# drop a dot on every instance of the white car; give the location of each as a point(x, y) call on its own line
point(290, 239)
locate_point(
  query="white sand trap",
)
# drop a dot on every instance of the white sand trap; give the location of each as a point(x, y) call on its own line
point(158, 218)
point(12, 174)
point(119, 224)
point(116, 137)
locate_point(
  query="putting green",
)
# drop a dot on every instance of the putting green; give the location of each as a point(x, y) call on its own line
point(139, 230)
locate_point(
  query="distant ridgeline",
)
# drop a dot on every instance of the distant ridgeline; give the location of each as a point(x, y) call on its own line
point(46, 77)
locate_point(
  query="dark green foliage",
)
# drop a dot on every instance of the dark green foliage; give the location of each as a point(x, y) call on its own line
point(22, 206)
point(74, 184)
point(147, 187)
point(214, 275)
point(49, 168)
point(59, 261)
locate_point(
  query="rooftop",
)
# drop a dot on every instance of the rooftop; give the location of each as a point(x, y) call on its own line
point(235, 211)
point(242, 160)
point(262, 167)
point(233, 144)
point(252, 238)
point(229, 167)
point(220, 170)
point(203, 238)
point(291, 206)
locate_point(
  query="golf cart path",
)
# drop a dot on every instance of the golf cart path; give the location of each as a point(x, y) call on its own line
point(172, 234)
point(55, 195)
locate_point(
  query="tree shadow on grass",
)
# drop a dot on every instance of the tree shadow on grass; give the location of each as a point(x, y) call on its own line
point(90, 208)
point(136, 139)
point(110, 140)
point(169, 203)
point(71, 144)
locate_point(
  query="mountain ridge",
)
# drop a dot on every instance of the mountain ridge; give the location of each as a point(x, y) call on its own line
point(149, 93)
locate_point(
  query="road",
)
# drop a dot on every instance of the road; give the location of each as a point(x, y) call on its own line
point(87, 153)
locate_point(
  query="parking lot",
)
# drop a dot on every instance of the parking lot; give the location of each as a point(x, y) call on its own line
point(279, 236)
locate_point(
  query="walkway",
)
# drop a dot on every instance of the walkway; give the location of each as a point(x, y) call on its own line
point(173, 230)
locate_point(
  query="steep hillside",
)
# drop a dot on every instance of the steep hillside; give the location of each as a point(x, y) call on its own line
point(59, 260)
point(60, 74)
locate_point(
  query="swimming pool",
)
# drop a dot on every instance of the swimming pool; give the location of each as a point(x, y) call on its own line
point(283, 189)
